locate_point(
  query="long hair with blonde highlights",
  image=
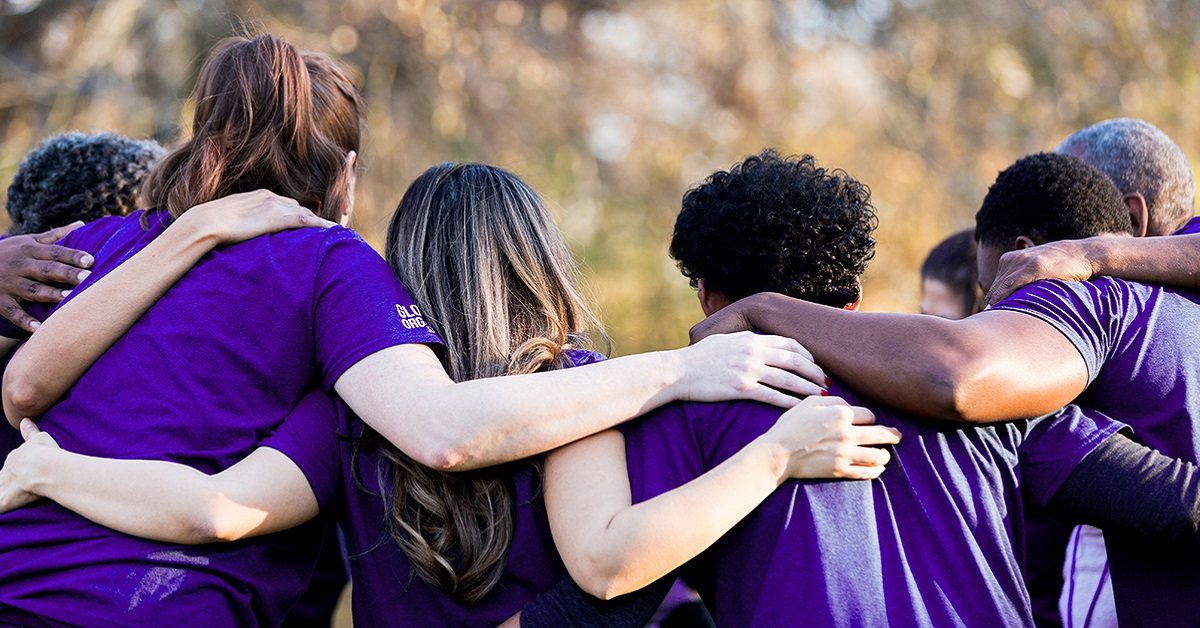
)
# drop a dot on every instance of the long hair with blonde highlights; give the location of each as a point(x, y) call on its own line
point(267, 115)
point(486, 265)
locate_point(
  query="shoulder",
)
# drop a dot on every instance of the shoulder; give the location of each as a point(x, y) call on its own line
point(94, 235)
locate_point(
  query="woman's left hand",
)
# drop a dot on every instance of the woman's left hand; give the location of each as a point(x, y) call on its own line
point(16, 478)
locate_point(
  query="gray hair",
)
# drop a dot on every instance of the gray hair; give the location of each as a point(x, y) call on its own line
point(1140, 158)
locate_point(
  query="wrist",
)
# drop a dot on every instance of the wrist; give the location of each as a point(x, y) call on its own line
point(35, 470)
point(195, 227)
point(773, 456)
point(1099, 254)
point(671, 372)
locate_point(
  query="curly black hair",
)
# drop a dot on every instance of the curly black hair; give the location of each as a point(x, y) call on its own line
point(777, 224)
point(78, 176)
point(1048, 197)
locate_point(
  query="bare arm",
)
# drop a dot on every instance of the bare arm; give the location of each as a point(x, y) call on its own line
point(1166, 260)
point(164, 501)
point(611, 547)
point(993, 366)
point(66, 345)
point(479, 423)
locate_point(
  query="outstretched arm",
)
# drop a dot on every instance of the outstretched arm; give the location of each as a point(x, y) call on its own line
point(460, 426)
point(1166, 260)
point(611, 547)
point(67, 343)
point(993, 366)
point(164, 501)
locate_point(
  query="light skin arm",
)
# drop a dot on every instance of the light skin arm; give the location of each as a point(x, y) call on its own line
point(1165, 260)
point(467, 425)
point(164, 501)
point(66, 344)
point(611, 547)
point(994, 366)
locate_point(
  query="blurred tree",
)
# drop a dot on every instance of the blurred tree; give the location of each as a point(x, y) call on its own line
point(613, 107)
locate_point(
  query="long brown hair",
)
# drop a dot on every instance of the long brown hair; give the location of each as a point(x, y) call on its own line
point(268, 115)
point(487, 267)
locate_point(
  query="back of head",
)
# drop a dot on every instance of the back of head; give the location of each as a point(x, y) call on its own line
point(79, 176)
point(777, 224)
point(1140, 158)
point(486, 265)
point(952, 262)
point(268, 115)
point(1049, 197)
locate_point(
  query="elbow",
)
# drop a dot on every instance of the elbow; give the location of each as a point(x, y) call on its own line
point(442, 456)
point(600, 576)
point(23, 396)
point(601, 587)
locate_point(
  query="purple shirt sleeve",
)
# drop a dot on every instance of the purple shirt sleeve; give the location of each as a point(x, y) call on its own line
point(359, 306)
point(1093, 315)
point(1057, 443)
point(309, 437)
point(661, 452)
point(1189, 227)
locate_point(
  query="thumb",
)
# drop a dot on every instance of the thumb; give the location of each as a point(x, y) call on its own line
point(29, 429)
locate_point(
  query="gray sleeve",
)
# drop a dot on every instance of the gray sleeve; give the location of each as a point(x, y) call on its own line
point(568, 605)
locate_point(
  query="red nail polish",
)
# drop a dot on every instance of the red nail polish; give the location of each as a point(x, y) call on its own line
point(824, 393)
point(828, 382)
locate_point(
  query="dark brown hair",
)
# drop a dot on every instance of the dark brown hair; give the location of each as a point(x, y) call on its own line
point(487, 267)
point(267, 116)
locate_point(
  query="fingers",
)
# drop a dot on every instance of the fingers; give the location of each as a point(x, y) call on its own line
point(43, 271)
point(874, 435)
point(29, 429)
point(797, 363)
point(54, 235)
point(768, 395)
point(868, 457)
point(855, 472)
point(10, 309)
point(63, 255)
point(789, 381)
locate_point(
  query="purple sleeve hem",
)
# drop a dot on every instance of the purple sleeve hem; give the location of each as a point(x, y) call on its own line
point(339, 368)
point(1044, 490)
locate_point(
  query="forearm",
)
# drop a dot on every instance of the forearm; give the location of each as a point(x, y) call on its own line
point(70, 341)
point(614, 553)
point(1126, 486)
point(1169, 260)
point(157, 500)
point(484, 422)
point(979, 369)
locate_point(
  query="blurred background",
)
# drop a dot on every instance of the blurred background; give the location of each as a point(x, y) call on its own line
point(613, 108)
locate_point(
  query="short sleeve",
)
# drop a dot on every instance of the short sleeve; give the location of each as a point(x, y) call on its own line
point(1055, 444)
point(359, 306)
point(309, 437)
point(1190, 227)
point(661, 452)
point(1093, 315)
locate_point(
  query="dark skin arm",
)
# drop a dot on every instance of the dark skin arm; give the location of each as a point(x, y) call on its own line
point(993, 366)
point(1169, 261)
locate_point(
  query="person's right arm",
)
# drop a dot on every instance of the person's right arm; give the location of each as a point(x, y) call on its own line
point(163, 501)
point(1166, 260)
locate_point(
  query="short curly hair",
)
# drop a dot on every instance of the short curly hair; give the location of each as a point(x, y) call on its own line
point(78, 176)
point(1048, 197)
point(777, 224)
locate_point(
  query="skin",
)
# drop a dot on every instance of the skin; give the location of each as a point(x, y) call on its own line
point(939, 299)
point(612, 547)
point(34, 268)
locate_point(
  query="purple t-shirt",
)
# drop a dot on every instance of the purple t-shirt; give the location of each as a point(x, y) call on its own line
point(208, 374)
point(931, 543)
point(1141, 344)
point(387, 592)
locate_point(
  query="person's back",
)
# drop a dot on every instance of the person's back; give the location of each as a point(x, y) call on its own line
point(931, 542)
point(232, 348)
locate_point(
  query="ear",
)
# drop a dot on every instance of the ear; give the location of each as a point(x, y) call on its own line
point(1139, 214)
point(710, 300)
point(351, 179)
point(1023, 242)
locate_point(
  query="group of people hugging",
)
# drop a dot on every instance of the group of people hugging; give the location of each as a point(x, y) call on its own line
point(224, 400)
